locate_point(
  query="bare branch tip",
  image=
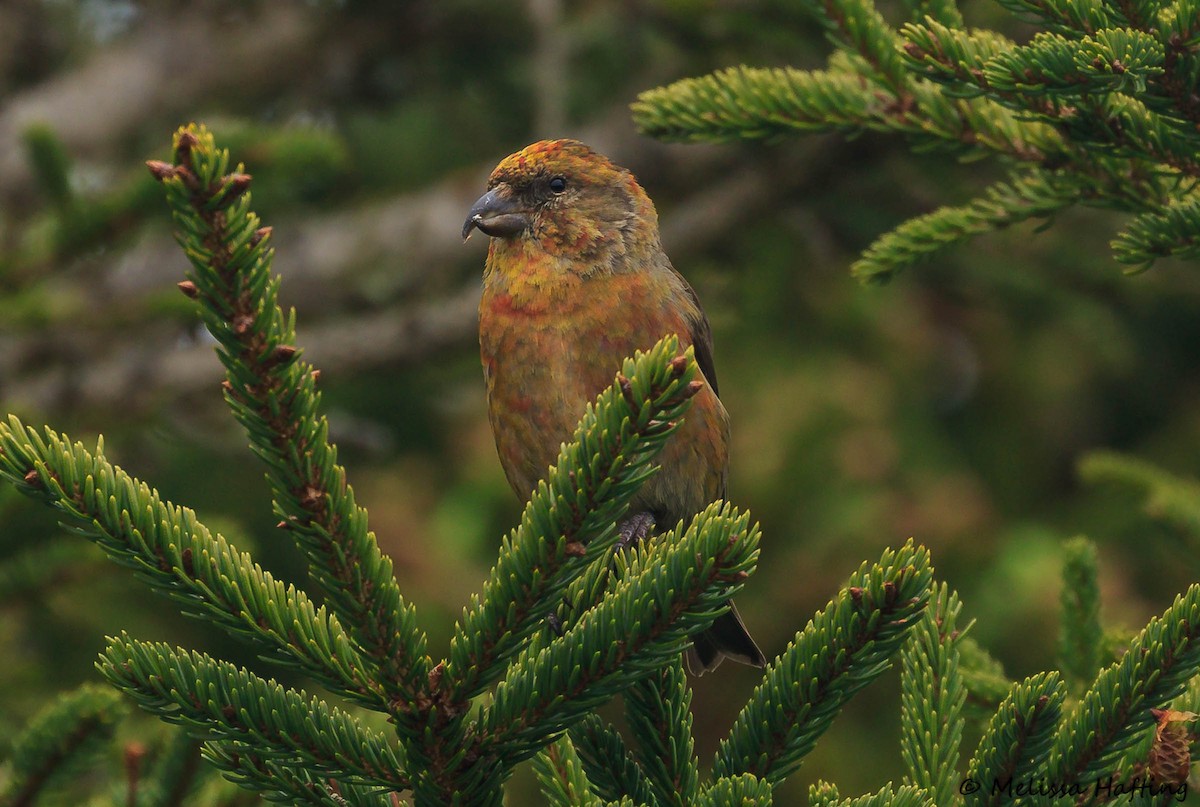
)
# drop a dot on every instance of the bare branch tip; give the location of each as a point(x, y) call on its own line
point(160, 170)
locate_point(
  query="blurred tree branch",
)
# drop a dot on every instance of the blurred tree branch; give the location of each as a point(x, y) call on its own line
point(168, 65)
point(379, 279)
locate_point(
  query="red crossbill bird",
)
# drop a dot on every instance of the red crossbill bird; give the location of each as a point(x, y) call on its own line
point(576, 280)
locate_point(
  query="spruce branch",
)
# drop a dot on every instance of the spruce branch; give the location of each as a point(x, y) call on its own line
point(1111, 60)
point(944, 12)
point(983, 677)
point(1173, 230)
point(1037, 194)
point(824, 794)
point(272, 392)
point(36, 567)
point(658, 710)
point(569, 522)
point(1066, 17)
point(950, 55)
point(1081, 637)
point(1101, 109)
point(174, 773)
point(562, 776)
point(215, 700)
point(609, 764)
point(857, 25)
point(244, 765)
point(749, 103)
point(59, 739)
point(931, 699)
point(1170, 498)
point(676, 584)
point(841, 650)
point(1018, 736)
point(174, 553)
point(744, 789)
point(1115, 712)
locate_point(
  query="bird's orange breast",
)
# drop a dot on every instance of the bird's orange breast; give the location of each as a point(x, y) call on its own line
point(551, 344)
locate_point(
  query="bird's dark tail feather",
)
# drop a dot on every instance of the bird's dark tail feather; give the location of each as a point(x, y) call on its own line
point(727, 637)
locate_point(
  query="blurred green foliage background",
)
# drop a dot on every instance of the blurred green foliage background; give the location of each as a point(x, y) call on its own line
point(953, 405)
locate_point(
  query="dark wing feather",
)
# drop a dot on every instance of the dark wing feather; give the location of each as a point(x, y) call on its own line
point(702, 341)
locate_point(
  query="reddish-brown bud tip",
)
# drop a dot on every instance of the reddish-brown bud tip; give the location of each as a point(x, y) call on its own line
point(185, 173)
point(626, 390)
point(856, 594)
point(225, 385)
point(574, 549)
point(316, 376)
point(741, 577)
point(135, 752)
point(160, 170)
point(236, 185)
point(678, 365)
point(282, 525)
point(189, 289)
point(284, 353)
point(33, 478)
point(260, 234)
point(693, 387)
point(184, 145)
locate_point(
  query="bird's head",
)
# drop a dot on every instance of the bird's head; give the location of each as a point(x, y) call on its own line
point(561, 197)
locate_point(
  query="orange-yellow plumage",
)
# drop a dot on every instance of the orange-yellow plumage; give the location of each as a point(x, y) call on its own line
point(575, 281)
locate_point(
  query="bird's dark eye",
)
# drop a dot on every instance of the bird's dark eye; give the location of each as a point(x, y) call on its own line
point(558, 184)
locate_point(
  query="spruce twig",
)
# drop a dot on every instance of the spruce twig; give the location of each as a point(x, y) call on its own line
point(1080, 638)
point(609, 764)
point(63, 736)
point(658, 709)
point(932, 697)
point(176, 554)
point(216, 700)
point(272, 392)
point(1115, 713)
point(840, 651)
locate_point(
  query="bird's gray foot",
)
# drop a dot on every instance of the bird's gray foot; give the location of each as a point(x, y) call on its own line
point(633, 529)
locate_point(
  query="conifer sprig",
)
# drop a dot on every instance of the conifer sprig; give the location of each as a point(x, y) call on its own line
point(608, 762)
point(1034, 195)
point(1080, 637)
point(824, 794)
point(174, 553)
point(1165, 496)
point(1115, 712)
point(931, 699)
point(1101, 106)
point(658, 710)
point(561, 773)
point(841, 650)
point(217, 701)
point(60, 738)
point(570, 519)
point(744, 789)
point(247, 767)
point(1017, 739)
point(272, 392)
point(677, 583)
